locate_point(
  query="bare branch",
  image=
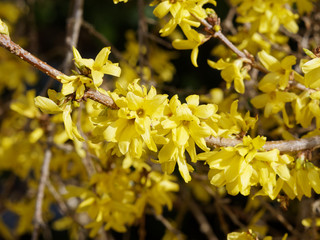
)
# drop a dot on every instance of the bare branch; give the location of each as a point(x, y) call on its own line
point(168, 225)
point(38, 220)
point(283, 146)
point(73, 32)
point(202, 220)
point(15, 49)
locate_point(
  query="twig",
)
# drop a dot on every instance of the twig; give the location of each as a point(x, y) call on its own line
point(15, 49)
point(218, 34)
point(202, 220)
point(282, 145)
point(280, 217)
point(90, 28)
point(73, 32)
point(38, 220)
point(168, 225)
point(86, 160)
point(142, 33)
point(228, 21)
point(224, 207)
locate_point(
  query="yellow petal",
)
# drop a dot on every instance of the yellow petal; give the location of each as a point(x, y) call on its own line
point(102, 57)
point(47, 105)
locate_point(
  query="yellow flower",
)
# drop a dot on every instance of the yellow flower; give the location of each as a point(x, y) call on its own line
point(194, 40)
point(234, 123)
point(49, 106)
point(306, 107)
point(187, 126)
point(75, 83)
point(311, 69)
point(245, 165)
point(232, 71)
point(303, 178)
point(181, 12)
point(3, 28)
point(137, 112)
point(25, 106)
point(279, 72)
point(274, 102)
point(98, 67)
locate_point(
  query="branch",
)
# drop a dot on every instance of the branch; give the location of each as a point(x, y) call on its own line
point(73, 32)
point(38, 220)
point(283, 145)
point(15, 49)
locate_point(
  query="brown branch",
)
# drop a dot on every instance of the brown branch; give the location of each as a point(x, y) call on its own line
point(168, 225)
point(142, 40)
point(283, 145)
point(15, 49)
point(38, 220)
point(73, 32)
point(280, 217)
point(205, 227)
point(218, 34)
point(115, 52)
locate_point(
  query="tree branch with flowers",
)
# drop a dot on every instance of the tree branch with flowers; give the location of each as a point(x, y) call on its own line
point(110, 146)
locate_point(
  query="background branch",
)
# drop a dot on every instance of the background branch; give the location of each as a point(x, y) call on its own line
point(73, 32)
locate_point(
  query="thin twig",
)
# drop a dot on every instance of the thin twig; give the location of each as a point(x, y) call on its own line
point(38, 220)
point(202, 220)
point(90, 28)
point(73, 32)
point(224, 207)
point(142, 33)
point(168, 225)
point(15, 49)
point(280, 217)
point(282, 145)
point(86, 160)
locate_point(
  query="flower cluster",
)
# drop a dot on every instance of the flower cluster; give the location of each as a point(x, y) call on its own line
point(116, 199)
point(186, 15)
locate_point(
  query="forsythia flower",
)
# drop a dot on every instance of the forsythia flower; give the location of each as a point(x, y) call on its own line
point(311, 69)
point(234, 123)
point(186, 122)
point(266, 16)
point(49, 106)
point(303, 178)
point(306, 107)
point(245, 165)
point(181, 12)
point(98, 67)
point(194, 40)
point(279, 72)
point(249, 235)
point(184, 13)
point(232, 71)
point(274, 102)
point(3, 28)
point(138, 109)
point(120, 197)
point(75, 83)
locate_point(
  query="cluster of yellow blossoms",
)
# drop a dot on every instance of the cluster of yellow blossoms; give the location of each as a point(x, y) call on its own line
point(117, 151)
